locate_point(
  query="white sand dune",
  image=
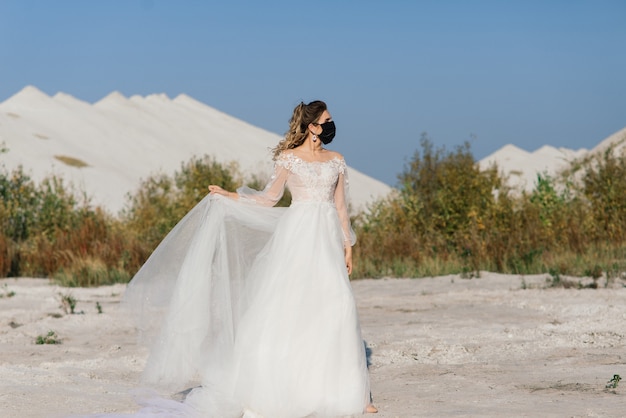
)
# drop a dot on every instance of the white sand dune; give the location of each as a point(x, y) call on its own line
point(498, 346)
point(122, 140)
point(617, 140)
point(522, 167)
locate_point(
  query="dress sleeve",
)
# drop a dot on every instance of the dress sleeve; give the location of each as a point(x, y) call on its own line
point(272, 192)
point(342, 205)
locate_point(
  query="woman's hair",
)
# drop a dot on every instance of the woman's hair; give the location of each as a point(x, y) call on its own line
point(303, 115)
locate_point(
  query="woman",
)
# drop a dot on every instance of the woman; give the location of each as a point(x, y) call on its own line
point(262, 307)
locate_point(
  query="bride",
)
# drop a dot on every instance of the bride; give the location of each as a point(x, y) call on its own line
point(254, 302)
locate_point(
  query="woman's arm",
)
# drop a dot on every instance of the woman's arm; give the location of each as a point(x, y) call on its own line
point(269, 196)
point(341, 203)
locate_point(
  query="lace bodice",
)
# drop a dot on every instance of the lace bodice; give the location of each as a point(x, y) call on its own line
point(308, 181)
point(312, 181)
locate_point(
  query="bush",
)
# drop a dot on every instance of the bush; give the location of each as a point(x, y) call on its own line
point(447, 216)
point(440, 212)
point(604, 186)
point(45, 230)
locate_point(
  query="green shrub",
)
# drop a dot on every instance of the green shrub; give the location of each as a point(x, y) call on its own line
point(604, 185)
point(447, 216)
point(449, 213)
point(440, 213)
point(19, 204)
point(50, 338)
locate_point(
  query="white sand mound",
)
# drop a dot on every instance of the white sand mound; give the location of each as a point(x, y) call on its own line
point(106, 148)
point(522, 167)
point(616, 140)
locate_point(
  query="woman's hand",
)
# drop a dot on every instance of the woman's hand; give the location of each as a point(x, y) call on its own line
point(213, 189)
point(348, 255)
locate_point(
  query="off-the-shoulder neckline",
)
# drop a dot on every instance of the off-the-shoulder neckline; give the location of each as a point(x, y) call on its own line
point(292, 155)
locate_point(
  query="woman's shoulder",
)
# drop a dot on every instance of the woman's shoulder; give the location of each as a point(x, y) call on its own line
point(334, 155)
point(285, 159)
point(287, 153)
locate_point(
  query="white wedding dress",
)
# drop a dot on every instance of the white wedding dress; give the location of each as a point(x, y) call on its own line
point(252, 306)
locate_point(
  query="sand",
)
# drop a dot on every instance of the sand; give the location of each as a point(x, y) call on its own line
point(494, 346)
point(125, 140)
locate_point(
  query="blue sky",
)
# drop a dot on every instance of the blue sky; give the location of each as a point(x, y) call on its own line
point(492, 72)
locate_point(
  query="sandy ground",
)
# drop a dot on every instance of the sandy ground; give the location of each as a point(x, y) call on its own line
point(497, 346)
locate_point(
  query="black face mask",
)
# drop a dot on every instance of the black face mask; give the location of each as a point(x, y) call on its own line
point(328, 132)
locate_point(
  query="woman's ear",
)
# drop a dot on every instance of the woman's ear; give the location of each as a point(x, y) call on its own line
point(313, 129)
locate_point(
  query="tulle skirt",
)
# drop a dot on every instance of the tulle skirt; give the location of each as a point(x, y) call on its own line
point(255, 304)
